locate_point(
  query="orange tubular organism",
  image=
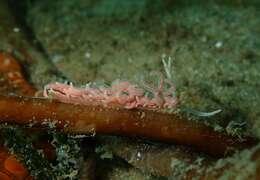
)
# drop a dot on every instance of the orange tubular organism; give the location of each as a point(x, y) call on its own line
point(84, 119)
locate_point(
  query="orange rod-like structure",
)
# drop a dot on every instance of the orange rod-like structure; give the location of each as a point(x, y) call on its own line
point(79, 119)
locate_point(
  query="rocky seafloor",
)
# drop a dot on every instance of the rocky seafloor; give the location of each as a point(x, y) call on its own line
point(215, 47)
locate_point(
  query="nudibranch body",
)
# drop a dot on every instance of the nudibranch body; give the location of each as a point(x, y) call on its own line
point(121, 93)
